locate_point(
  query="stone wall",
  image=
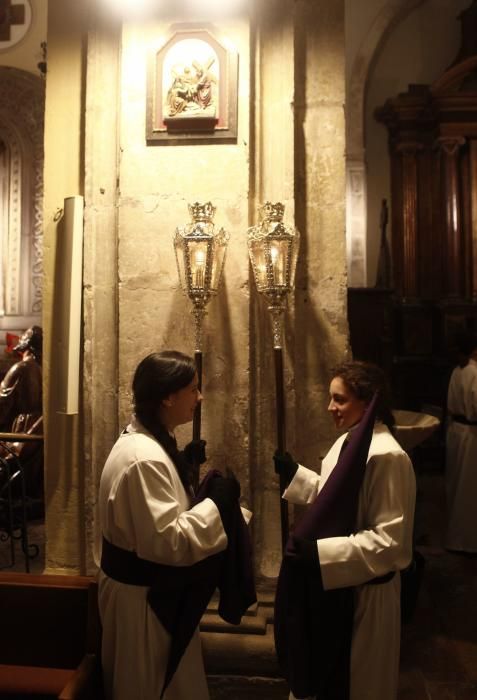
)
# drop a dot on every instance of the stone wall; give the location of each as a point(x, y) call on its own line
point(290, 147)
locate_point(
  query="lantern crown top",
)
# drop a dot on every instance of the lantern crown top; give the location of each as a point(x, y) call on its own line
point(202, 212)
point(272, 211)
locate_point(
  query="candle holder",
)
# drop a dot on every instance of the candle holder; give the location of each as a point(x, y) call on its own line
point(273, 249)
point(200, 255)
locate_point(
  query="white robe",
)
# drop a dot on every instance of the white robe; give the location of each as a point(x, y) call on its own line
point(382, 543)
point(461, 461)
point(143, 507)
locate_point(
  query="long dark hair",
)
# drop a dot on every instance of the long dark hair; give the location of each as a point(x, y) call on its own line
point(157, 376)
point(364, 379)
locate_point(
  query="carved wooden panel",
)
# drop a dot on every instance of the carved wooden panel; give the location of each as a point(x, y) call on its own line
point(21, 254)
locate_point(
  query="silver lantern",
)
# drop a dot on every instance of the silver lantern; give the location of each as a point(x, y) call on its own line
point(200, 255)
point(273, 250)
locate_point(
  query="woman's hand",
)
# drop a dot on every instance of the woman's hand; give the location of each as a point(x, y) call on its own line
point(224, 491)
point(285, 465)
point(194, 452)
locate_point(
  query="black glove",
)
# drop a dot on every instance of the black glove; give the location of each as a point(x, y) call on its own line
point(285, 465)
point(305, 554)
point(194, 452)
point(225, 492)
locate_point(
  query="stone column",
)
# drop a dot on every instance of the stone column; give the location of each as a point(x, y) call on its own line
point(100, 305)
point(63, 177)
point(356, 221)
point(453, 216)
point(321, 327)
point(273, 180)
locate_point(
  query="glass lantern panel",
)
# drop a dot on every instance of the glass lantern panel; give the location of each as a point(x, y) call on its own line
point(293, 261)
point(181, 266)
point(198, 262)
point(259, 263)
point(217, 265)
point(279, 261)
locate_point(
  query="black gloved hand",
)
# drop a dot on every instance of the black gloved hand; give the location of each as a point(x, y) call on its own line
point(285, 465)
point(194, 452)
point(305, 554)
point(225, 492)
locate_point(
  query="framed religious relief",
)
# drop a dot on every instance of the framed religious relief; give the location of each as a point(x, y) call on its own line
point(192, 89)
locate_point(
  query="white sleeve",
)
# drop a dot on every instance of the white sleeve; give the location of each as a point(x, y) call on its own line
point(303, 488)
point(145, 505)
point(385, 544)
point(454, 392)
point(470, 394)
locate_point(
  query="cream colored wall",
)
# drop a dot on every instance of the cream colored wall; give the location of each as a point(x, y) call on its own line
point(156, 184)
point(63, 178)
point(290, 147)
point(359, 18)
point(417, 50)
point(28, 53)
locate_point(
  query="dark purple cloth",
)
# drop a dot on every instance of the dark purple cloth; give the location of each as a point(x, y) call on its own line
point(313, 627)
point(179, 595)
point(230, 571)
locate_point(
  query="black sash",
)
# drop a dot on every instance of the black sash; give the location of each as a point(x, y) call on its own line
point(381, 579)
point(458, 418)
point(179, 595)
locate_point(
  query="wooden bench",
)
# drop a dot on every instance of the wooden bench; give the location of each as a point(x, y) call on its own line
point(49, 637)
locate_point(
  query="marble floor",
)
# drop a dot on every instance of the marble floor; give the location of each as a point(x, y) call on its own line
point(439, 645)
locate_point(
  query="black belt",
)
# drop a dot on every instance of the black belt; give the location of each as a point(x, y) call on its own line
point(381, 579)
point(127, 567)
point(462, 419)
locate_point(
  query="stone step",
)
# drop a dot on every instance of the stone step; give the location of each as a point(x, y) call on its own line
point(213, 607)
point(240, 654)
point(212, 622)
point(247, 688)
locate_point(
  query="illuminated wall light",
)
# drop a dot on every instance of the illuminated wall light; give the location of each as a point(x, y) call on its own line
point(215, 8)
point(132, 9)
point(146, 9)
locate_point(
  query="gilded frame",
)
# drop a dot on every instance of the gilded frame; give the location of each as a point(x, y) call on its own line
point(192, 85)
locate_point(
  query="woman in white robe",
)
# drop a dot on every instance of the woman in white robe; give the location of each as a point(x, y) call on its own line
point(382, 541)
point(461, 458)
point(144, 506)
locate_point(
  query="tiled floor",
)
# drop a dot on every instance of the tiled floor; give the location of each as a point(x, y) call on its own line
point(439, 646)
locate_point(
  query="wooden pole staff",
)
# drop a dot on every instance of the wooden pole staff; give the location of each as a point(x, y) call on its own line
point(281, 437)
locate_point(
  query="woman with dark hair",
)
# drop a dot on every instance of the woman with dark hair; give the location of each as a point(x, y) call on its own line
point(380, 544)
point(461, 449)
point(149, 527)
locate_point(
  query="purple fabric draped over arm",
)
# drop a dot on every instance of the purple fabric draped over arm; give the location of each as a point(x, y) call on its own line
point(312, 626)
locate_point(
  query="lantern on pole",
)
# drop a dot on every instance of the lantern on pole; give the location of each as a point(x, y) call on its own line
point(273, 250)
point(200, 256)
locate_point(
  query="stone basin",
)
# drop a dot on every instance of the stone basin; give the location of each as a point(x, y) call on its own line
point(412, 428)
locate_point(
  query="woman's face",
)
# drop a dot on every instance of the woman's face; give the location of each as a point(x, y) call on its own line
point(179, 407)
point(344, 406)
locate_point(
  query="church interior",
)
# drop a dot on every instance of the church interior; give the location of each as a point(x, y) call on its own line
point(358, 118)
